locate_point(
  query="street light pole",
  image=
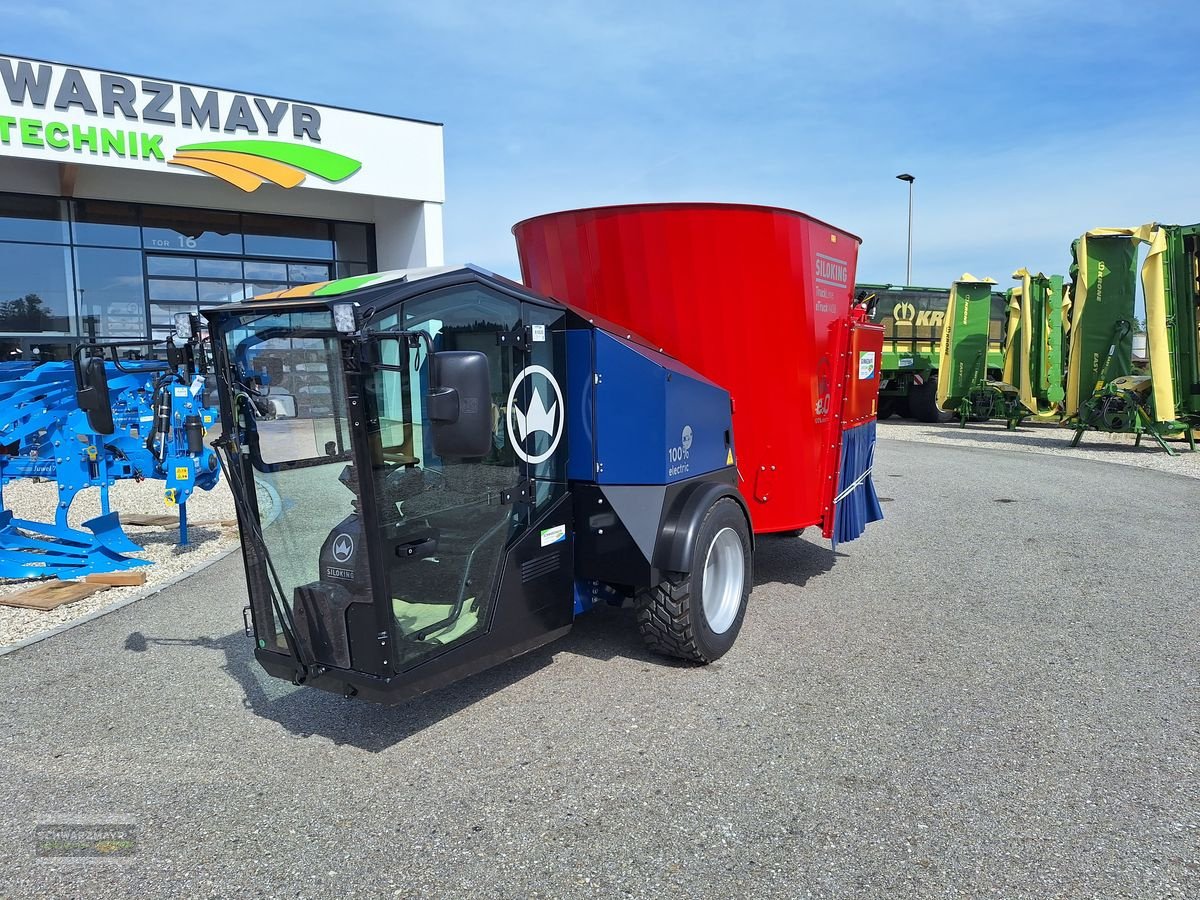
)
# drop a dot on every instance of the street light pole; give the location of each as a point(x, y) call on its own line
point(910, 179)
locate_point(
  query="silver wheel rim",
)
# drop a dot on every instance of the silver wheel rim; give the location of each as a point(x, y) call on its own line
point(724, 578)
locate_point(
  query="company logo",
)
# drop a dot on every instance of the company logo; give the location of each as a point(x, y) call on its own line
point(866, 364)
point(832, 271)
point(677, 457)
point(538, 418)
point(343, 548)
point(76, 114)
point(906, 312)
point(250, 164)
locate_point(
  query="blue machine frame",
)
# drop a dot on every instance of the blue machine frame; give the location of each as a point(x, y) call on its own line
point(159, 419)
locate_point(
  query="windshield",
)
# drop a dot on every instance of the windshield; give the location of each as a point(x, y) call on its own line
point(294, 417)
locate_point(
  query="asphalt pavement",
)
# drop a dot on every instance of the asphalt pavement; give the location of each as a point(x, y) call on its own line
point(992, 694)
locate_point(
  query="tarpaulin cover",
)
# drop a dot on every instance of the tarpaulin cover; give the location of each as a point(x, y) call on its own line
point(857, 504)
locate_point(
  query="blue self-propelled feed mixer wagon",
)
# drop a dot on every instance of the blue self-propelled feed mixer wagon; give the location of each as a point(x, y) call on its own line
point(483, 465)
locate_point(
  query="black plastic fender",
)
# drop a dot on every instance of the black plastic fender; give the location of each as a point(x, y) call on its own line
point(681, 524)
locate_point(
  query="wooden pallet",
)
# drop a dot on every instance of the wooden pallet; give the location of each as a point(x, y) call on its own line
point(51, 594)
point(167, 521)
point(118, 579)
point(149, 520)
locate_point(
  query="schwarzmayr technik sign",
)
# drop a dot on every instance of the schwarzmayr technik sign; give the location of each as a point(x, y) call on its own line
point(74, 115)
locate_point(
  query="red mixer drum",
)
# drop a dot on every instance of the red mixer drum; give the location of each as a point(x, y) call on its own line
point(755, 298)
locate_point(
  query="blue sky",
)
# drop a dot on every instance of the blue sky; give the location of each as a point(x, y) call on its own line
point(1025, 122)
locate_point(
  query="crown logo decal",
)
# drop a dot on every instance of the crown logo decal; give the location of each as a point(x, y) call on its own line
point(537, 418)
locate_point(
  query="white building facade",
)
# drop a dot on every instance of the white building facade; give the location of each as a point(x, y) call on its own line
point(125, 199)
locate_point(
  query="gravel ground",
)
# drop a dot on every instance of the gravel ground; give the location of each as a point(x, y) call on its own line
point(977, 699)
point(1053, 439)
point(207, 538)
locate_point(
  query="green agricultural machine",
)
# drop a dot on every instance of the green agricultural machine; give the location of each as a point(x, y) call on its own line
point(912, 319)
point(965, 388)
point(1103, 392)
point(1034, 356)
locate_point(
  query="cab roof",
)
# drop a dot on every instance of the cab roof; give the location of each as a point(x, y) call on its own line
point(378, 292)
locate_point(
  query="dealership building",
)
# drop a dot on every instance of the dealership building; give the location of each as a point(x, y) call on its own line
point(125, 199)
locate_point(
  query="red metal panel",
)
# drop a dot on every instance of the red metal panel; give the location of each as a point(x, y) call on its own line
point(755, 298)
point(857, 396)
point(862, 393)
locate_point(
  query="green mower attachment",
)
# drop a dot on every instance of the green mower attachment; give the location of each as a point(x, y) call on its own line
point(963, 384)
point(1104, 392)
point(1033, 348)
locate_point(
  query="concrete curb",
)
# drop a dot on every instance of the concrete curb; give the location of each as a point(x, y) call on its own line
point(150, 591)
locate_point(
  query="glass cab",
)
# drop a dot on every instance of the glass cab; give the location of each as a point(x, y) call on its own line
point(400, 473)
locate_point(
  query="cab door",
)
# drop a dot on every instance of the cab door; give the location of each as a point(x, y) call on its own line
point(443, 522)
point(453, 530)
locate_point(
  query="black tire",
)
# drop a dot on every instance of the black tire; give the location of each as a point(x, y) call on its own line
point(922, 403)
point(886, 408)
point(672, 615)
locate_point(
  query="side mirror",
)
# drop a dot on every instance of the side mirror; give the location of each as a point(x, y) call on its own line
point(92, 396)
point(459, 403)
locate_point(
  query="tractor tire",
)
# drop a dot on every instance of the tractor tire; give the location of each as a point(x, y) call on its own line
point(922, 403)
point(697, 616)
point(886, 409)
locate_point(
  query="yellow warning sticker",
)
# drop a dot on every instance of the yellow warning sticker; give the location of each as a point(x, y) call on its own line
point(729, 457)
point(182, 473)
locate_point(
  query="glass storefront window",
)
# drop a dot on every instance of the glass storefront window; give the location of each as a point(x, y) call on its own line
point(221, 291)
point(259, 288)
point(265, 271)
point(105, 224)
point(219, 268)
point(54, 351)
point(172, 289)
point(15, 348)
point(36, 289)
point(82, 267)
point(182, 266)
point(40, 220)
point(307, 273)
point(190, 230)
point(281, 236)
point(162, 315)
point(112, 296)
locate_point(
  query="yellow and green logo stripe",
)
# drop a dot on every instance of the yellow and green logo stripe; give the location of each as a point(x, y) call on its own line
point(250, 164)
